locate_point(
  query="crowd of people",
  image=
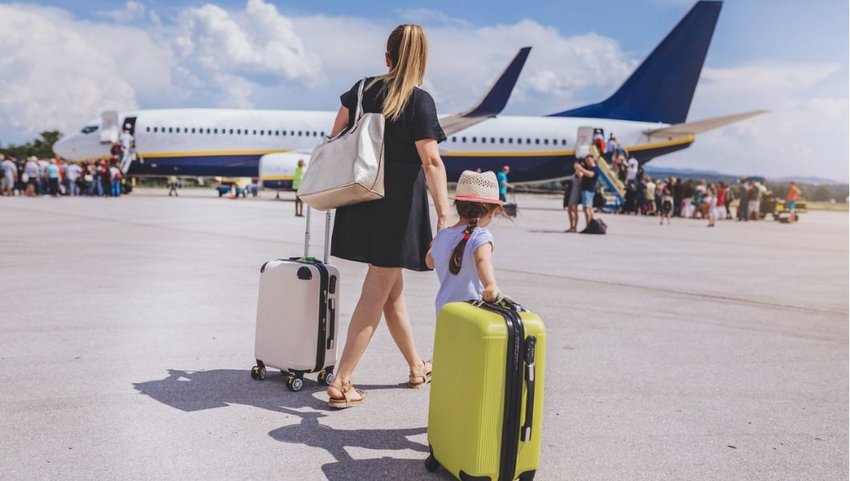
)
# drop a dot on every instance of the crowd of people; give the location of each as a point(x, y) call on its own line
point(36, 177)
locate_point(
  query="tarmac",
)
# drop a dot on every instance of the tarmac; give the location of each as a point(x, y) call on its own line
point(675, 352)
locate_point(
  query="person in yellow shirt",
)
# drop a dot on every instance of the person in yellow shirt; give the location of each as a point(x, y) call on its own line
point(296, 182)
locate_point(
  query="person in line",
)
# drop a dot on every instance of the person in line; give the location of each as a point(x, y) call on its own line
point(173, 182)
point(392, 233)
point(52, 170)
point(462, 254)
point(296, 183)
point(721, 199)
point(571, 200)
point(649, 202)
point(632, 166)
point(791, 199)
point(502, 176)
point(754, 194)
point(743, 199)
point(599, 141)
point(115, 177)
point(586, 170)
point(8, 175)
point(125, 140)
point(710, 200)
point(72, 176)
point(727, 201)
point(611, 148)
point(667, 203)
point(31, 176)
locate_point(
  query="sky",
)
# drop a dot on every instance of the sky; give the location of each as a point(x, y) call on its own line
point(63, 62)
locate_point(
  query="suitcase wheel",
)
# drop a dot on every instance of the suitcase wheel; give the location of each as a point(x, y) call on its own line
point(431, 464)
point(326, 377)
point(258, 373)
point(294, 383)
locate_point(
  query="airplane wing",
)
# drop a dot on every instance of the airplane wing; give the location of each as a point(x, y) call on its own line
point(690, 128)
point(493, 101)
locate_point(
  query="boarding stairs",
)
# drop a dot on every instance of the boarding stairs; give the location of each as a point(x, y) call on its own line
point(608, 177)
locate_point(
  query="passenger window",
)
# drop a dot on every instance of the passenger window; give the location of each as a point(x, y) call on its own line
point(501, 140)
point(463, 139)
point(510, 140)
point(299, 133)
point(492, 140)
point(171, 130)
point(322, 133)
point(454, 139)
point(147, 129)
point(284, 133)
point(536, 141)
point(262, 132)
point(563, 142)
point(545, 141)
point(473, 140)
point(483, 140)
point(155, 130)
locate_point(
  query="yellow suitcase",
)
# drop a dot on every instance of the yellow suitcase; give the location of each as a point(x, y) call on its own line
point(486, 409)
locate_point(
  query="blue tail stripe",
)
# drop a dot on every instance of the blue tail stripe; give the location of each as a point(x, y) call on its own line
point(662, 87)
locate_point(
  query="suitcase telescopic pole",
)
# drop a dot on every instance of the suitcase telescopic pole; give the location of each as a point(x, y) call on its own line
point(327, 235)
point(307, 235)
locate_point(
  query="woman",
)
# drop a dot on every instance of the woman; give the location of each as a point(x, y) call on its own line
point(394, 232)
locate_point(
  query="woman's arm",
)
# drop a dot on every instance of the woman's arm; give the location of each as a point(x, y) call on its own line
point(340, 122)
point(435, 177)
point(484, 266)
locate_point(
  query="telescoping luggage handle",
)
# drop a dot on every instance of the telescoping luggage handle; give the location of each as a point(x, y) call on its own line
point(327, 236)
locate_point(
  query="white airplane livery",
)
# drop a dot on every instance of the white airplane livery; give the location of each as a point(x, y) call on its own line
point(648, 113)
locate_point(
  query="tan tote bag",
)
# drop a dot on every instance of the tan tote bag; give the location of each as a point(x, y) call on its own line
point(349, 168)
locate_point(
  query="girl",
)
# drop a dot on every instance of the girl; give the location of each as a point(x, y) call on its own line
point(462, 254)
point(711, 205)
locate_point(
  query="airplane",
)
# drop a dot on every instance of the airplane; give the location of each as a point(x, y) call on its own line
point(648, 113)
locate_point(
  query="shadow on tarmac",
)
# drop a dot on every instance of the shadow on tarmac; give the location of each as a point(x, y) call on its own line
point(192, 391)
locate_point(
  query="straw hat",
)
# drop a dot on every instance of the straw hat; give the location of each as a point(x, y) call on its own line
point(478, 187)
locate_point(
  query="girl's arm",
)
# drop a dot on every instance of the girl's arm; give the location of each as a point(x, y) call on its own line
point(435, 177)
point(340, 122)
point(484, 266)
point(429, 260)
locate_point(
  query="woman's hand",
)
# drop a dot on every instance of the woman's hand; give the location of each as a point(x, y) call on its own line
point(435, 177)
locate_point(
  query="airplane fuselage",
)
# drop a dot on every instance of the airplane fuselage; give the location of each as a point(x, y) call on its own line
point(226, 142)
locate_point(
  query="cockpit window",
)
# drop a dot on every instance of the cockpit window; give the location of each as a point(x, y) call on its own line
point(89, 129)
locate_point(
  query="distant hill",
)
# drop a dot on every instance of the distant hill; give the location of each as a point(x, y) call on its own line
point(712, 175)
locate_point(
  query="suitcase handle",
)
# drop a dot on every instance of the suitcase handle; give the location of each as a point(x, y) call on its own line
point(332, 321)
point(327, 235)
point(530, 348)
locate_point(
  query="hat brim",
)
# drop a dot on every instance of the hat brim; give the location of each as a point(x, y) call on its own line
point(472, 198)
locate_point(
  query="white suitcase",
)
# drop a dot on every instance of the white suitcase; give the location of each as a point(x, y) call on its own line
point(297, 321)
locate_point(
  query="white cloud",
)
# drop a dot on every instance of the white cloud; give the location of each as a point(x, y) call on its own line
point(50, 74)
point(800, 134)
point(131, 12)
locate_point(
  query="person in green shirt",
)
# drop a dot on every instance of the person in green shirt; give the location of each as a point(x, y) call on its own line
point(296, 182)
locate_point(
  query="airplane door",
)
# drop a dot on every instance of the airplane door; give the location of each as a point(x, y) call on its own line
point(584, 139)
point(131, 121)
point(109, 127)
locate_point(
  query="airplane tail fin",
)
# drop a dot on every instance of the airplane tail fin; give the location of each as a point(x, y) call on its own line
point(662, 87)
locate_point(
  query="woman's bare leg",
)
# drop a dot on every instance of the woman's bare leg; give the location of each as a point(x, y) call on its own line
point(365, 319)
point(398, 322)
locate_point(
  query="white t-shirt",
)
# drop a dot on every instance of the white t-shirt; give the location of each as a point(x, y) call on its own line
point(8, 168)
point(72, 172)
point(631, 173)
point(650, 190)
point(465, 285)
point(126, 139)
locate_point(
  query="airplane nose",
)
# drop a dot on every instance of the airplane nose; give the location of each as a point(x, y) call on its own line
point(62, 148)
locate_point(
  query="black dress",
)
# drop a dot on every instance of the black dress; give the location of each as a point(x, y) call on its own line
point(396, 230)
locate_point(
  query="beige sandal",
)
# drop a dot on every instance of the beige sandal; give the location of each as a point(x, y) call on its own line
point(344, 396)
point(418, 380)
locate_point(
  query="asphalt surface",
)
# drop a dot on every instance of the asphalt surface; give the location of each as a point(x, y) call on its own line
point(675, 353)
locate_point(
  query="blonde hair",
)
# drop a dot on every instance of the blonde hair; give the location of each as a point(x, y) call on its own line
point(407, 49)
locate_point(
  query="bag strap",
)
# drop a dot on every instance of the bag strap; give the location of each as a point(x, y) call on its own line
point(359, 112)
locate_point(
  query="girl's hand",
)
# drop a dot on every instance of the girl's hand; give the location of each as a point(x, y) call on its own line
point(491, 293)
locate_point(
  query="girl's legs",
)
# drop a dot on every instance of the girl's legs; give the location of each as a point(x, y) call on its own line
point(398, 323)
point(367, 314)
point(572, 213)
